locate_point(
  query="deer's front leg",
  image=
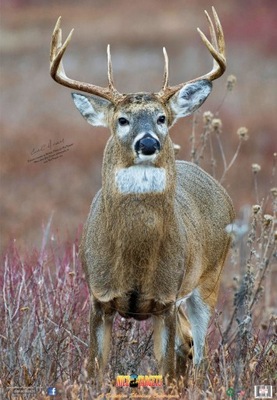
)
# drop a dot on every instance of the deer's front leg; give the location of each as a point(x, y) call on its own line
point(164, 342)
point(101, 321)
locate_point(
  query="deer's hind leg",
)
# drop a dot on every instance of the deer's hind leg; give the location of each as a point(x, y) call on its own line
point(198, 312)
point(199, 308)
point(183, 342)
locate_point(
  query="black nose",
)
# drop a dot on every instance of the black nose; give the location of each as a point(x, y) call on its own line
point(147, 145)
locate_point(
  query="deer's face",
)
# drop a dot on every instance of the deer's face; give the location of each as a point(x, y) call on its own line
point(140, 122)
point(140, 125)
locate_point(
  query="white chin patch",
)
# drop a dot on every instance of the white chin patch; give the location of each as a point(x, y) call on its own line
point(140, 179)
point(141, 158)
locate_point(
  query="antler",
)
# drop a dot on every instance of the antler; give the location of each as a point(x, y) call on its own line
point(57, 72)
point(217, 49)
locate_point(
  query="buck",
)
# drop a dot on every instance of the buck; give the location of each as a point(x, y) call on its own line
point(154, 243)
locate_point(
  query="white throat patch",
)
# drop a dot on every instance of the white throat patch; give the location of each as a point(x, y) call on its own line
point(141, 179)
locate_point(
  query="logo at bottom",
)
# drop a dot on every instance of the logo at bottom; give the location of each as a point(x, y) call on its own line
point(230, 392)
point(52, 391)
point(263, 392)
point(135, 380)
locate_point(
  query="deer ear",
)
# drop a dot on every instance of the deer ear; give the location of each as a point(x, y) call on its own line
point(190, 97)
point(93, 108)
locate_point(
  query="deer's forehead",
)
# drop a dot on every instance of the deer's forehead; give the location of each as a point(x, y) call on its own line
point(140, 104)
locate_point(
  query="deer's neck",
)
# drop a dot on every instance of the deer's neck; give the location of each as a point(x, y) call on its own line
point(136, 225)
point(138, 201)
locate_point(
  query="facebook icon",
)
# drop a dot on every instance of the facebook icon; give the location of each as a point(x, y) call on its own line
point(52, 391)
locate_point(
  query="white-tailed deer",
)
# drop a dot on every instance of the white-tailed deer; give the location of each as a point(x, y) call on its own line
point(155, 241)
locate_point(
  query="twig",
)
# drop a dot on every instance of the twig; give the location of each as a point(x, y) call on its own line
point(70, 333)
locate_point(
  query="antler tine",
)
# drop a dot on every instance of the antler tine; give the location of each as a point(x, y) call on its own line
point(57, 72)
point(110, 73)
point(217, 49)
point(57, 51)
point(166, 74)
point(110, 67)
point(56, 40)
point(220, 34)
point(212, 31)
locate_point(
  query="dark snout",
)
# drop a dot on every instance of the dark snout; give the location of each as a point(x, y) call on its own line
point(147, 145)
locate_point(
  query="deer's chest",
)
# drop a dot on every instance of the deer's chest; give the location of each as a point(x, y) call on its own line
point(140, 179)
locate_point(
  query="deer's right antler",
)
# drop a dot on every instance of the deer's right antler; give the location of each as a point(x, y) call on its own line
point(57, 72)
point(217, 49)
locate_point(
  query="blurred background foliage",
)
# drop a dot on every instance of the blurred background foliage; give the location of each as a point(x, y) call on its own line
point(35, 110)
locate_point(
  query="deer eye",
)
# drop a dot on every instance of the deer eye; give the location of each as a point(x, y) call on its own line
point(161, 119)
point(123, 121)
